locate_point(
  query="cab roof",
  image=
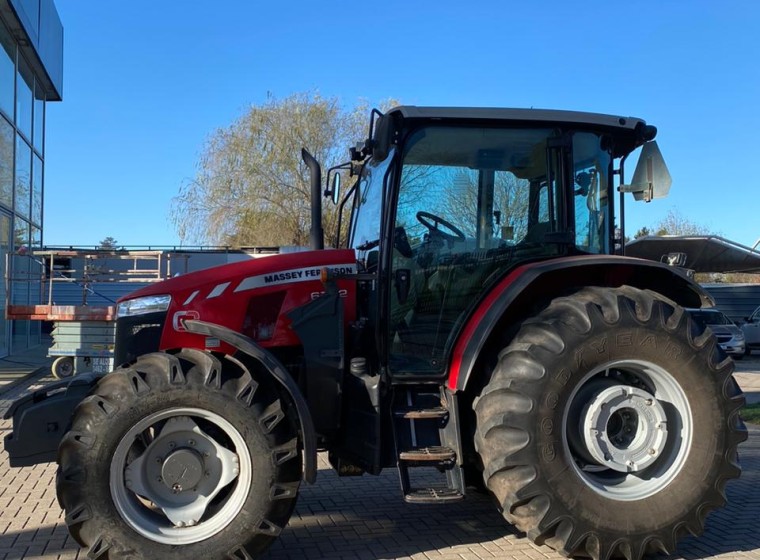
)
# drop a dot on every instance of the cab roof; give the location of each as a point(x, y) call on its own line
point(630, 132)
point(528, 115)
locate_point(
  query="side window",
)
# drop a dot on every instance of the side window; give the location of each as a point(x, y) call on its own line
point(368, 208)
point(590, 170)
point(543, 204)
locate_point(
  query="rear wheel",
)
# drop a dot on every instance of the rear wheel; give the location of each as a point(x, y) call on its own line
point(610, 425)
point(179, 456)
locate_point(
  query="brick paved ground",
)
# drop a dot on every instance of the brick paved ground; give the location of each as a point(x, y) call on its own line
point(366, 519)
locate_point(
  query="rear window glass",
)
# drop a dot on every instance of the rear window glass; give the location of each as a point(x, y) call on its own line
point(704, 318)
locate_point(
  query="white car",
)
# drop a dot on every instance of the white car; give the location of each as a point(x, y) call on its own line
point(751, 330)
point(730, 337)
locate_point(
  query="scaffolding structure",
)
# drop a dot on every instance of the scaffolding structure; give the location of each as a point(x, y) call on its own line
point(83, 333)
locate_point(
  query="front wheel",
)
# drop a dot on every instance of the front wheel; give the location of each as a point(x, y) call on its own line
point(610, 425)
point(179, 456)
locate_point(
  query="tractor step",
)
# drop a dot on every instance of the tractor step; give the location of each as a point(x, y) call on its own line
point(428, 446)
point(438, 413)
point(427, 455)
point(432, 495)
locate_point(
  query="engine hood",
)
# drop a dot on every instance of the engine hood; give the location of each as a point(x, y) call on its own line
point(253, 273)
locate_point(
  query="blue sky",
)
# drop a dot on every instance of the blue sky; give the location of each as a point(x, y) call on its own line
point(146, 82)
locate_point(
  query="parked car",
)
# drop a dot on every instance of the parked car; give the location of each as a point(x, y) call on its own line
point(751, 330)
point(730, 336)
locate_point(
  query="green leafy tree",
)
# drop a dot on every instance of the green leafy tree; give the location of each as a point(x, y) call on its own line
point(251, 187)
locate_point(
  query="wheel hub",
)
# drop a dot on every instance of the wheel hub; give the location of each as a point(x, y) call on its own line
point(182, 469)
point(624, 428)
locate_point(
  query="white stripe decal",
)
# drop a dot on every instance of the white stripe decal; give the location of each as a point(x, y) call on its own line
point(294, 275)
point(192, 297)
point(218, 290)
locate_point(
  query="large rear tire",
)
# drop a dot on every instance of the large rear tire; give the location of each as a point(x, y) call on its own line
point(610, 425)
point(179, 456)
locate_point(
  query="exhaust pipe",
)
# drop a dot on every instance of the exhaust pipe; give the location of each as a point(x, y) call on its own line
point(316, 234)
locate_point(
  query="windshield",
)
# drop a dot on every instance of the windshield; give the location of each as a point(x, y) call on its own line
point(472, 204)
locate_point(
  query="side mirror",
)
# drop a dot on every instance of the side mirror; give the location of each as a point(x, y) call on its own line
point(335, 188)
point(651, 178)
point(332, 186)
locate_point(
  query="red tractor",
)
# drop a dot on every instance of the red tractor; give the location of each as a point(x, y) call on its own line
point(479, 320)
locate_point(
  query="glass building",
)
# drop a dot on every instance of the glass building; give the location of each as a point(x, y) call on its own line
point(31, 75)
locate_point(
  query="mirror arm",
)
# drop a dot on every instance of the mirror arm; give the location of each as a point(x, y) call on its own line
point(340, 212)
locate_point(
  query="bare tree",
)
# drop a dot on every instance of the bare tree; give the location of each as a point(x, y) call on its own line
point(251, 186)
point(674, 223)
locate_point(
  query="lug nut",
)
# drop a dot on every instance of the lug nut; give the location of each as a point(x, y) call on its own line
point(191, 442)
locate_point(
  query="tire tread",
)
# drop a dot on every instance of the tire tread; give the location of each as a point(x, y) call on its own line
point(503, 432)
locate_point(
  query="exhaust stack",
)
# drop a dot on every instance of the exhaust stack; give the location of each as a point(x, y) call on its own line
point(316, 233)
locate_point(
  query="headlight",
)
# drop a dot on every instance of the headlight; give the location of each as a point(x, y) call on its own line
point(143, 305)
point(739, 336)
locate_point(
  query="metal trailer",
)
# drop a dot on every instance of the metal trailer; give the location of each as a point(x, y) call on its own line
point(82, 346)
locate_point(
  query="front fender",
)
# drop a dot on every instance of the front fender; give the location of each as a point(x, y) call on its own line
point(280, 374)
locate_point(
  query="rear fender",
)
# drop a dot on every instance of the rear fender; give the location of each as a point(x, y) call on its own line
point(529, 287)
point(248, 347)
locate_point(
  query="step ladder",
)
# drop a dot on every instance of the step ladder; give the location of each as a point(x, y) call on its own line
point(427, 437)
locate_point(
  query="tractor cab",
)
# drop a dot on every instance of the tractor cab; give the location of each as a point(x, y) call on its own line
point(449, 201)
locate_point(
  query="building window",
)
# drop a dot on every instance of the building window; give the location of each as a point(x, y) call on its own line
point(24, 98)
point(36, 190)
point(7, 71)
point(22, 194)
point(6, 163)
point(39, 119)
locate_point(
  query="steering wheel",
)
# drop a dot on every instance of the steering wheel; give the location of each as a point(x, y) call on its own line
point(431, 221)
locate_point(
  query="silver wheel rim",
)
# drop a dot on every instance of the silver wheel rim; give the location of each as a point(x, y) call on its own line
point(628, 429)
point(173, 482)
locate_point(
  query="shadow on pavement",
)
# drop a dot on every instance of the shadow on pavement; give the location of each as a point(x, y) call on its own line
point(366, 519)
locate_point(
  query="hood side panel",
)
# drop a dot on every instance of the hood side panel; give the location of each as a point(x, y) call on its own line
point(252, 297)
